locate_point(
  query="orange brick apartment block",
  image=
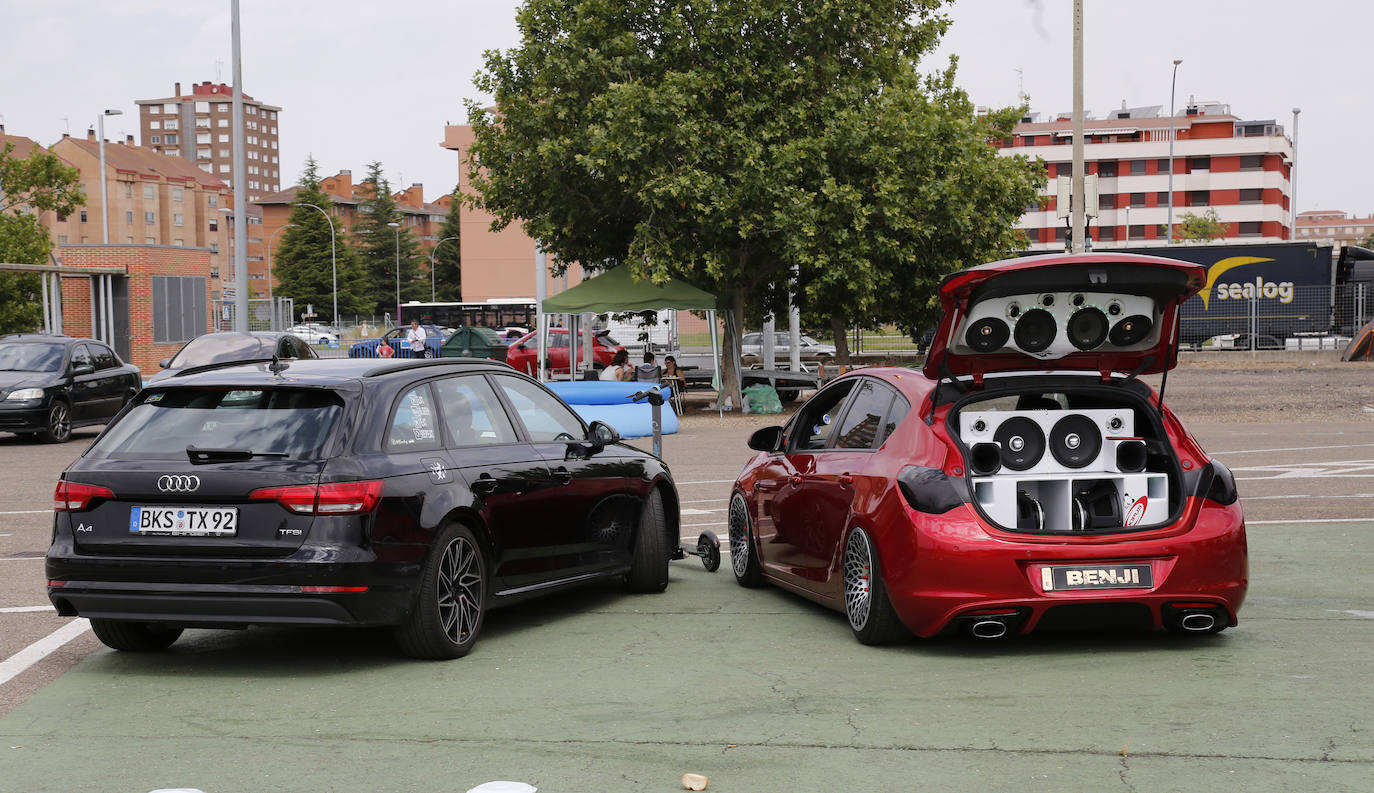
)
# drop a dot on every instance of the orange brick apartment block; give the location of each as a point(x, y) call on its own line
point(139, 264)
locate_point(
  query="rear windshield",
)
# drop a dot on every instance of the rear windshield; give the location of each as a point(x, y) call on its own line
point(290, 423)
point(213, 348)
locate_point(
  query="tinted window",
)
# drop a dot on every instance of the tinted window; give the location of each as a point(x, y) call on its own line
point(473, 415)
point(895, 414)
point(816, 419)
point(103, 357)
point(413, 424)
point(293, 422)
point(81, 356)
point(216, 347)
point(30, 357)
point(545, 418)
point(863, 423)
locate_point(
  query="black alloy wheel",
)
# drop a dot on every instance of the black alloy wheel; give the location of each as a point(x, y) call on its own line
point(452, 600)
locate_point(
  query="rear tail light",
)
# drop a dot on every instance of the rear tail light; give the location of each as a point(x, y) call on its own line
point(75, 496)
point(336, 498)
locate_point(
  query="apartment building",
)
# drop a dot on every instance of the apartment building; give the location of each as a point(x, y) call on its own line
point(1239, 168)
point(198, 126)
point(1334, 225)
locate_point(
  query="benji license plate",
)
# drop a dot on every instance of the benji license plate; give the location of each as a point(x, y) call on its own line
point(185, 521)
point(1055, 578)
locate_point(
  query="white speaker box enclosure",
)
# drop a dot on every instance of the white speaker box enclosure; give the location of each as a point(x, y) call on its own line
point(1011, 308)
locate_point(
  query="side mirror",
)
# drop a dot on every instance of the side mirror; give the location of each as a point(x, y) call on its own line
point(84, 369)
point(602, 433)
point(165, 363)
point(768, 439)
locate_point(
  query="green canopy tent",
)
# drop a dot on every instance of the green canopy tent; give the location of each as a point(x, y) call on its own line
point(618, 290)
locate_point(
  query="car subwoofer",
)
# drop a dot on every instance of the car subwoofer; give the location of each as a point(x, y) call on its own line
point(1035, 330)
point(1131, 330)
point(1075, 441)
point(1087, 328)
point(1021, 442)
point(987, 334)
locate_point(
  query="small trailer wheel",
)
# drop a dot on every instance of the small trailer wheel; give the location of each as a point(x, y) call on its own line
point(708, 548)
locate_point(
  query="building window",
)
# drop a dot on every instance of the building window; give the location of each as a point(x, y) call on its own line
point(157, 139)
point(179, 242)
point(83, 216)
point(202, 123)
point(1252, 162)
point(202, 107)
point(1060, 234)
point(1199, 198)
point(1137, 200)
point(128, 189)
point(129, 217)
point(212, 201)
point(1137, 167)
point(1250, 228)
point(170, 140)
point(221, 107)
point(178, 193)
point(223, 137)
point(202, 154)
point(1106, 169)
point(1162, 199)
point(178, 219)
point(1107, 201)
point(224, 167)
point(203, 137)
point(170, 107)
point(1199, 164)
point(149, 219)
point(1137, 232)
point(214, 247)
point(172, 123)
point(150, 240)
point(214, 272)
point(154, 109)
point(61, 239)
point(1251, 196)
point(178, 308)
point(147, 191)
point(224, 122)
point(1107, 234)
point(214, 224)
point(1163, 165)
point(154, 125)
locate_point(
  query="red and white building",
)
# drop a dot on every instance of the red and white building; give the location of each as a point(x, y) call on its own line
point(1239, 168)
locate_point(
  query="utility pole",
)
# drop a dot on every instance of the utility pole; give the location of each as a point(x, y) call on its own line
point(240, 229)
point(1078, 217)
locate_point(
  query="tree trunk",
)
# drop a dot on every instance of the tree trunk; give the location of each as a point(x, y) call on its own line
point(839, 329)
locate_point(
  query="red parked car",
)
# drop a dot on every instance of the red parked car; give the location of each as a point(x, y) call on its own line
point(523, 353)
point(1026, 479)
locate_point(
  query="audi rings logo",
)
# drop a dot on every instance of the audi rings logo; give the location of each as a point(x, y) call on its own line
point(178, 483)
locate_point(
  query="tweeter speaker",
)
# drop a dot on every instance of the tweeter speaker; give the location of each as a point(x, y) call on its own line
point(1131, 330)
point(987, 334)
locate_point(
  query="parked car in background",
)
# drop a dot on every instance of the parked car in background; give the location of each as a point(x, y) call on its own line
point(51, 384)
point(523, 353)
point(1028, 478)
point(406, 493)
point(396, 340)
point(315, 334)
point(512, 333)
point(812, 351)
point(222, 346)
point(474, 342)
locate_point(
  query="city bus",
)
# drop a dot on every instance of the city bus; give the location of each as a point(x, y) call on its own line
point(494, 314)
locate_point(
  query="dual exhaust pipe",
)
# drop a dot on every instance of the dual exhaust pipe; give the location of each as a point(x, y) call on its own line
point(991, 628)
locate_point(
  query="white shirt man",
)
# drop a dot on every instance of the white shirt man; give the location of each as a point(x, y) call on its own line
point(415, 338)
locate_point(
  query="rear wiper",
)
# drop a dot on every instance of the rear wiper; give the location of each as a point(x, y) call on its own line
point(226, 455)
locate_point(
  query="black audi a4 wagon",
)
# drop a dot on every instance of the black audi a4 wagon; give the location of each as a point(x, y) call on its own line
point(412, 493)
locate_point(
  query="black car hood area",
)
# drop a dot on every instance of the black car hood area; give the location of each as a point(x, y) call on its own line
point(11, 380)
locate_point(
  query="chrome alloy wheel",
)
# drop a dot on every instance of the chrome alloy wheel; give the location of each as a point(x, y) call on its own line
point(858, 578)
point(739, 536)
point(460, 590)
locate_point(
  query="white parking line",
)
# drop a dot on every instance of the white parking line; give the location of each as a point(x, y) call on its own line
point(1298, 448)
point(21, 558)
point(26, 512)
point(24, 609)
point(1361, 519)
point(27, 657)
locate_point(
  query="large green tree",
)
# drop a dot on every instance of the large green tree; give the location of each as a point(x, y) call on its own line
point(378, 244)
point(448, 257)
point(736, 142)
point(302, 264)
point(36, 182)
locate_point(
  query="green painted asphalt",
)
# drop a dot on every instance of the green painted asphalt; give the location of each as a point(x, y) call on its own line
point(757, 689)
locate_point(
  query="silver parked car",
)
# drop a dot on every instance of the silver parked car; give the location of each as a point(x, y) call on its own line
point(751, 349)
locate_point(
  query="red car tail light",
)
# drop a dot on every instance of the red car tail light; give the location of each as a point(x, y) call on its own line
point(337, 498)
point(75, 497)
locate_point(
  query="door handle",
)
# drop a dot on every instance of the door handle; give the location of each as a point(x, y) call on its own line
point(485, 485)
point(794, 480)
point(562, 475)
point(846, 480)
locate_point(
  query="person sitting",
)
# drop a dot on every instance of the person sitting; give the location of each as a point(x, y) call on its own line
point(619, 368)
point(648, 372)
point(670, 367)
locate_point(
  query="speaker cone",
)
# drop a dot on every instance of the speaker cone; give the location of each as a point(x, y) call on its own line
point(1130, 330)
point(1035, 330)
point(1096, 505)
point(1130, 456)
point(1075, 441)
point(987, 334)
point(1022, 442)
point(1030, 516)
point(1087, 328)
point(985, 459)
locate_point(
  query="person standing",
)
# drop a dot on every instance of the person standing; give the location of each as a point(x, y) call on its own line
point(415, 339)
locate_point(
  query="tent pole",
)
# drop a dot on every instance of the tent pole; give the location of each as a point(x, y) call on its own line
point(715, 362)
point(541, 271)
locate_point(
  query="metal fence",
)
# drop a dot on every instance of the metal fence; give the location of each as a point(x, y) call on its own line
point(1261, 315)
point(263, 313)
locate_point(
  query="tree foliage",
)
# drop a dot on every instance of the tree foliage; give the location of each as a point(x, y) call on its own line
point(448, 257)
point(304, 261)
point(732, 143)
point(1205, 227)
point(378, 244)
point(37, 182)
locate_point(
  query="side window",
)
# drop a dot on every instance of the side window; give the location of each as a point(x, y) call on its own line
point(103, 357)
point(815, 421)
point(555, 339)
point(895, 414)
point(81, 356)
point(863, 422)
point(413, 425)
point(473, 414)
point(545, 418)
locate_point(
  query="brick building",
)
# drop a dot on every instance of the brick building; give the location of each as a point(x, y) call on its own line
point(1239, 168)
point(1334, 225)
point(198, 126)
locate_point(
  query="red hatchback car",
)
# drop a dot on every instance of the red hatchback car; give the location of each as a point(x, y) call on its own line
point(523, 353)
point(1026, 479)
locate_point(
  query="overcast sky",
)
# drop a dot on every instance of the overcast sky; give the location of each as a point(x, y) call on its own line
point(363, 81)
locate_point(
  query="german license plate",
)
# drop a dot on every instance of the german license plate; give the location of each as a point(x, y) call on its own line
point(1054, 578)
point(185, 521)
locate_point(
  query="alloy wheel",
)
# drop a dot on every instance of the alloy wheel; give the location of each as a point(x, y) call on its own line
point(739, 536)
point(59, 422)
point(460, 590)
point(858, 578)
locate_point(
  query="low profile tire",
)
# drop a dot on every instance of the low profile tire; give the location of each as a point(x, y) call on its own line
point(59, 427)
point(744, 560)
point(870, 613)
point(452, 602)
point(134, 637)
point(649, 565)
point(789, 394)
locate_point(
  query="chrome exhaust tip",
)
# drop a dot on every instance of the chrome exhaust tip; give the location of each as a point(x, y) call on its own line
point(988, 629)
point(1198, 623)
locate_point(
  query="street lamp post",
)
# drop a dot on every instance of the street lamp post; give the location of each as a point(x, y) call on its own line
point(333, 262)
point(1293, 174)
point(1172, 82)
point(104, 198)
point(431, 264)
point(397, 227)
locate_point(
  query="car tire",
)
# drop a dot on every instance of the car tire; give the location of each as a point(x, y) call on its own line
point(789, 395)
point(649, 562)
point(59, 426)
point(452, 602)
point(866, 604)
point(134, 637)
point(744, 558)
